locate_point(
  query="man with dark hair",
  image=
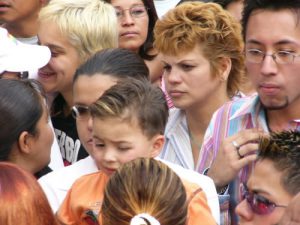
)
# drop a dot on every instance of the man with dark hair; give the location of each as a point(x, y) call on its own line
point(272, 48)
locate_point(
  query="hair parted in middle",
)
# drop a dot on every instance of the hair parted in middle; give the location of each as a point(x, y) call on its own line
point(283, 149)
point(210, 26)
point(90, 25)
point(144, 185)
point(134, 100)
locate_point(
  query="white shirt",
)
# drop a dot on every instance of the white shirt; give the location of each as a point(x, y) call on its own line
point(57, 183)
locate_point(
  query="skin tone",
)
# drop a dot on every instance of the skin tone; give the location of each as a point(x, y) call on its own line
point(270, 187)
point(86, 90)
point(32, 152)
point(276, 84)
point(57, 75)
point(236, 9)
point(292, 212)
point(117, 141)
point(183, 74)
point(132, 31)
point(21, 19)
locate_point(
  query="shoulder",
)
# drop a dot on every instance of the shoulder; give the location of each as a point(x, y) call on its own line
point(63, 178)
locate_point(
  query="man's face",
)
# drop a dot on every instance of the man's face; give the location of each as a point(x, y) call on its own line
point(17, 11)
point(270, 32)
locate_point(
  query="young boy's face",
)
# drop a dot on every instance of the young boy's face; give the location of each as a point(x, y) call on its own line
point(118, 141)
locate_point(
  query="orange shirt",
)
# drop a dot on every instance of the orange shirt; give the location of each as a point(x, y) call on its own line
point(83, 202)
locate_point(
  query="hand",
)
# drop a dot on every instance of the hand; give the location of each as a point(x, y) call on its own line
point(292, 212)
point(235, 152)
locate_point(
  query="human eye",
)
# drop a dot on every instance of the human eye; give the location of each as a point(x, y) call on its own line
point(137, 11)
point(167, 68)
point(119, 13)
point(186, 67)
point(99, 144)
point(255, 52)
point(124, 148)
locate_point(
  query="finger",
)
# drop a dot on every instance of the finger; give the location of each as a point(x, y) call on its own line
point(248, 149)
point(246, 160)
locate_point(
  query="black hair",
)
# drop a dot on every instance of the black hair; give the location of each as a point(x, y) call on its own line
point(20, 109)
point(117, 62)
point(274, 5)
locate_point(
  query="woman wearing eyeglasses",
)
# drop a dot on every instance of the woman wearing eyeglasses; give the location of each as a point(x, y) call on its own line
point(136, 19)
point(274, 180)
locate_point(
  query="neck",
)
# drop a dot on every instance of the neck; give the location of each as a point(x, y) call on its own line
point(279, 120)
point(68, 96)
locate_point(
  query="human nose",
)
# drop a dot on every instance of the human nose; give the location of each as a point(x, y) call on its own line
point(126, 18)
point(90, 124)
point(243, 211)
point(173, 76)
point(108, 155)
point(269, 65)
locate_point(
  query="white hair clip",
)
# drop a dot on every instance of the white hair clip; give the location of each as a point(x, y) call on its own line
point(144, 219)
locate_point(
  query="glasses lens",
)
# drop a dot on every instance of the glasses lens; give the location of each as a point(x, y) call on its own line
point(259, 204)
point(80, 112)
point(138, 11)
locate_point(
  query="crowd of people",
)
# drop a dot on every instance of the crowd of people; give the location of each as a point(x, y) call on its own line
point(150, 112)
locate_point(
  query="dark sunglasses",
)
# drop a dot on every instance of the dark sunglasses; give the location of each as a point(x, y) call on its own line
point(80, 112)
point(258, 204)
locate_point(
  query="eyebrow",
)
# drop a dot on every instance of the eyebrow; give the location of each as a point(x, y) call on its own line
point(281, 42)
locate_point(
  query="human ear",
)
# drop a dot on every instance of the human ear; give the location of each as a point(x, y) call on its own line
point(225, 65)
point(24, 142)
point(157, 145)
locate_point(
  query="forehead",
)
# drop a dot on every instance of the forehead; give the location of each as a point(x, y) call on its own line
point(127, 3)
point(273, 27)
point(87, 89)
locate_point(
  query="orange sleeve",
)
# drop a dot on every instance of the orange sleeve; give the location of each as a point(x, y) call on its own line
point(198, 209)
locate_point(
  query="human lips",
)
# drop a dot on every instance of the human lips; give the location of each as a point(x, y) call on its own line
point(269, 89)
point(108, 170)
point(175, 93)
point(129, 33)
point(45, 74)
point(4, 6)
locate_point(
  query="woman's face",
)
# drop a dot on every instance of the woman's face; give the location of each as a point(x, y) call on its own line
point(189, 80)
point(42, 141)
point(57, 75)
point(133, 22)
point(265, 181)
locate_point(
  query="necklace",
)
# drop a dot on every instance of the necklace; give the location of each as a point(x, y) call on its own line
point(194, 141)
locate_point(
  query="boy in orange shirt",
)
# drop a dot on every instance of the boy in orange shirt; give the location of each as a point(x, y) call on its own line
point(128, 122)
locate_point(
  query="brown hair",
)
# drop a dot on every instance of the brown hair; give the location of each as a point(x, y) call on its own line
point(207, 24)
point(22, 199)
point(144, 186)
point(133, 99)
point(283, 149)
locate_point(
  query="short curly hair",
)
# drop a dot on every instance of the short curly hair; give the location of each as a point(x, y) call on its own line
point(207, 24)
point(283, 149)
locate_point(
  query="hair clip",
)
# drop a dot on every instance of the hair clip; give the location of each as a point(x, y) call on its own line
point(144, 219)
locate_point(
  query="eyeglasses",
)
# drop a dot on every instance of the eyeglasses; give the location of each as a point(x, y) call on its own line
point(81, 112)
point(135, 12)
point(258, 204)
point(14, 75)
point(280, 57)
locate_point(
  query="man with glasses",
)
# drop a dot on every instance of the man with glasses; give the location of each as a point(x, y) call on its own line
point(274, 180)
point(272, 46)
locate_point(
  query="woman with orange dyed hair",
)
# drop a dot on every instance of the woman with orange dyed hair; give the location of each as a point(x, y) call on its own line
point(22, 199)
